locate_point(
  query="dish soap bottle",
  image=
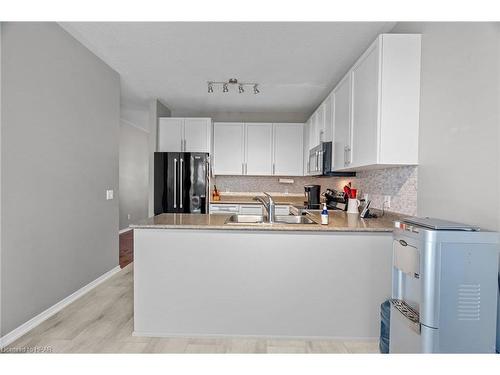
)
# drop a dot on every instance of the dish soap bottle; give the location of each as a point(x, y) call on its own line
point(324, 215)
point(215, 194)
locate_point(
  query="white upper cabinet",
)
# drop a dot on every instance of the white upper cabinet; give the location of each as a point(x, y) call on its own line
point(259, 149)
point(384, 106)
point(197, 132)
point(288, 149)
point(228, 155)
point(305, 156)
point(365, 109)
point(184, 134)
point(328, 121)
point(342, 123)
point(170, 134)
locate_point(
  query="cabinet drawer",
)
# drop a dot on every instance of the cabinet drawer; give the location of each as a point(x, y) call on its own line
point(224, 209)
point(251, 209)
point(282, 210)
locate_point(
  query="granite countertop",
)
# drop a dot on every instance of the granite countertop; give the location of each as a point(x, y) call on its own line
point(247, 198)
point(339, 221)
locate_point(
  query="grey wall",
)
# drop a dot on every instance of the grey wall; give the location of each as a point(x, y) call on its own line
point(458, 175)
point(60, 131)
point(156, 110)
point(134, 161)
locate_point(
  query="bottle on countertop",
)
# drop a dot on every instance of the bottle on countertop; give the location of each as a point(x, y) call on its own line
point(324, 215)
point(215, 194)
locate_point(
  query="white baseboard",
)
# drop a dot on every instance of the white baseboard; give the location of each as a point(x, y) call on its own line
point(44, 315)
point(124, 230)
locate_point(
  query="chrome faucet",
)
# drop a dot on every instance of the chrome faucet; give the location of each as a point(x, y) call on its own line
point(269, 206)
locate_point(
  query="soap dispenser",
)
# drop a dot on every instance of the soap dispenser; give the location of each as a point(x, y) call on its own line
point(324, 215)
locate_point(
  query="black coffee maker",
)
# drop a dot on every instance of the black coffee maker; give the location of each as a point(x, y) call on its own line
point(312, 193)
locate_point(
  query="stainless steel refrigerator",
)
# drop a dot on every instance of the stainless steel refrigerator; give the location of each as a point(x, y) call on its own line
point(181, 182)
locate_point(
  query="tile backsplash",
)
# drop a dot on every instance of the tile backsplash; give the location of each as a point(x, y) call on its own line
point(400, 183)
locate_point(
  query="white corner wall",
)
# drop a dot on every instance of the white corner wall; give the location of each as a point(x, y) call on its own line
point(459, 167)
point(60, 132)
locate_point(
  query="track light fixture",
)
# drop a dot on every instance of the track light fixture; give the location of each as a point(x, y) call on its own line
point(232, 81)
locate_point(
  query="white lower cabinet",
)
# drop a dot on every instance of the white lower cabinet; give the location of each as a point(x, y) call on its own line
point(245, 209)
point(251, 209)
point(224, 209)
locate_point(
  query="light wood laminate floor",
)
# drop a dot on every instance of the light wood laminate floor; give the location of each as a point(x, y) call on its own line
point(102, 322)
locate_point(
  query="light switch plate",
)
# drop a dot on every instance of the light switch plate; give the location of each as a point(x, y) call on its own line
point(109, 195)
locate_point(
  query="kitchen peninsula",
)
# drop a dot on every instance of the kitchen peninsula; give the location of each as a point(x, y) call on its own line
point(195, 275)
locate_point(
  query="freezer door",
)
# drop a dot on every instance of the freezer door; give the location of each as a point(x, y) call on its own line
point(197, 183)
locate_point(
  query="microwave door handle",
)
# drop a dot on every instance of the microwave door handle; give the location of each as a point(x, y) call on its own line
point(175, 183)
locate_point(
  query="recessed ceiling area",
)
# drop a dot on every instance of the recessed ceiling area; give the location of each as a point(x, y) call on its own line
point(295, 63)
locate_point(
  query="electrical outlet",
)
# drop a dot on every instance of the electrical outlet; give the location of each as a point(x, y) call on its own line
point(387, 201)
point(109, 194)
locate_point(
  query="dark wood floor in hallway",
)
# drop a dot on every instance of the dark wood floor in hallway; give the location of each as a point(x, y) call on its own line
point(126, 248)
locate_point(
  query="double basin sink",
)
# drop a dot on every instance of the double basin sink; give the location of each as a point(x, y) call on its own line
point(259, 219)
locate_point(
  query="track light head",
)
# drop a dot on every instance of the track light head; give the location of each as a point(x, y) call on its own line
point(210, 88)
point(255, 89)
point(224, 88)
point(241, 90)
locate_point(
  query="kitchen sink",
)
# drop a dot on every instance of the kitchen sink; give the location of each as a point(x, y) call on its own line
point(259, 219)
point(291, 219)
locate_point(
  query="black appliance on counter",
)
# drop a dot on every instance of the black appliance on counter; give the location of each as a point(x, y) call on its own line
point(181, 182)
point(312, 193)
point(335, 200)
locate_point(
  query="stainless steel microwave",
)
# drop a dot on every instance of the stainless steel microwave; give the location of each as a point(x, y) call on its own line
point(320, 162)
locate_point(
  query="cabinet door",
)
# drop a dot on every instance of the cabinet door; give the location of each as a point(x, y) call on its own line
point(320, 127)
point(313, 131)
point(259, 150)
point(251, 209)
point(288, 149)
point(197, 134)
point(170, 134)
point(228, 148)
point(328, 121)
point(305, 155)
point(342, 124)
point(365, 109)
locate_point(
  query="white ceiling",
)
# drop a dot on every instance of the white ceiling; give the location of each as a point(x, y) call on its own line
point(296, 64)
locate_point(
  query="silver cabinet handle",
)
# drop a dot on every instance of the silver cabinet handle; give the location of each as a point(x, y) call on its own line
point(347, 155)
point(242, 168)
point(185, 145)
point(274, 168)
point(175, 183)
point(180, 188)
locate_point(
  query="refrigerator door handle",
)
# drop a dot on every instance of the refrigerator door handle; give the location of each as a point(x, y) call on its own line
point(180, 178)
point(175, 183)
